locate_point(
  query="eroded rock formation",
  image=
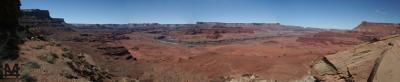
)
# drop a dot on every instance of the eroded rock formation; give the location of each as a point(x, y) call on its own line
point(382, 29)
point(37, 17)
point(80, 65)
point(371, 62)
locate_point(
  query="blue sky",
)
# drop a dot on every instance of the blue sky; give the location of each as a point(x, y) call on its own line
point(340, 14)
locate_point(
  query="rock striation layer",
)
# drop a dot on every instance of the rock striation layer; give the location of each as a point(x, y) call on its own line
point(37, 17)
point(370, 62)
point(382, 29)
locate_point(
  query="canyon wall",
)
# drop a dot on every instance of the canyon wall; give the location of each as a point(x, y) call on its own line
point(37, 17)
point(382, 29)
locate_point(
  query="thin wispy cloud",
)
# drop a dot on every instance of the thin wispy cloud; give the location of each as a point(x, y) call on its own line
point(381, 12)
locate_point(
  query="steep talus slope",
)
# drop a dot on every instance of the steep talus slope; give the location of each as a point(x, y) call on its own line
point(370, 62)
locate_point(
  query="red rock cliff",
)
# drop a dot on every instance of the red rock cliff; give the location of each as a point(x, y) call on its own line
point(380, 28)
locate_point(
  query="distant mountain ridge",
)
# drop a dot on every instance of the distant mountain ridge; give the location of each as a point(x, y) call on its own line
point(37, 17)
point(382, 29)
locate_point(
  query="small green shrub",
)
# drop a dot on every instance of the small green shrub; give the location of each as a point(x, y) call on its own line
point(32, 65)
point(49, 58)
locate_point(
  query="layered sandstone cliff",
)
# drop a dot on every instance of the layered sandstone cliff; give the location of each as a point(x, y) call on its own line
point(370, 62)
point(37, 17)
point(382, 29)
